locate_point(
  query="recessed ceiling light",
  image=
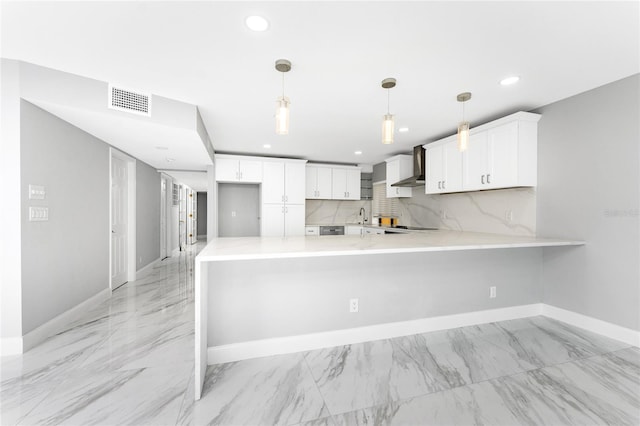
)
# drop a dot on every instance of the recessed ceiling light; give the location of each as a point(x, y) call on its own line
point(509, 80)
point(266, 145)
point(257, 23)
point(358, 153)
point(403, 129)
point(170, 160)
point(161, 148)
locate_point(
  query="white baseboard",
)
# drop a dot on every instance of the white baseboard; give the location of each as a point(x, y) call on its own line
point(594, 325)
point(307, 342)
point(146, 270)
point(10, 346)
point(18, 345)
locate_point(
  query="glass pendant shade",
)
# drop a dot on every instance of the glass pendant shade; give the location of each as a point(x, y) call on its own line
point(282, 115)
point(463, 136)
point(387, 129)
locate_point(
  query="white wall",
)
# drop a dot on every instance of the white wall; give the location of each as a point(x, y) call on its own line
point(588, 189)
point(10, 212)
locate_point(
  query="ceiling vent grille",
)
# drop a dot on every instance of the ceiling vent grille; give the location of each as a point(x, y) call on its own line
point(126, 100)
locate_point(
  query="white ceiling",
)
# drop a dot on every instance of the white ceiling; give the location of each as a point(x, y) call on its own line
point(194, 180)
point(201, 53)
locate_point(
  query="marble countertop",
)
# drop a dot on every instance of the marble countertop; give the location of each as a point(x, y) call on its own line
point(222, 249)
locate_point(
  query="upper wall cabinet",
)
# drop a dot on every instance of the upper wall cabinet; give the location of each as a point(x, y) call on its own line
point(501, 154)
point(231, 168)
point(283, 182)
point(444, 167)
point(318, 182)
point(345, 183)
point(328, 182)
point(398, 167)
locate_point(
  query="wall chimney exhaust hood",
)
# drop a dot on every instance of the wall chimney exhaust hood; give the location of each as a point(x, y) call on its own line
point(418, 170)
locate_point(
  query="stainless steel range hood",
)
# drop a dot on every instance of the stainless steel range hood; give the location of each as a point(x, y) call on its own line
point(418, 170)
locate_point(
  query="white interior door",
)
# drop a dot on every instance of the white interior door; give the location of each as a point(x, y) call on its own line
point(163, 218)
point(118, 222)
point(182, 217)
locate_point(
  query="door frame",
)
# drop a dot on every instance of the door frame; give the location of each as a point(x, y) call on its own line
point(131, 214)
point(168, 201)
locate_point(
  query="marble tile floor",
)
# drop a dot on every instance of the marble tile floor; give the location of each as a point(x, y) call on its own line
point(130, 361)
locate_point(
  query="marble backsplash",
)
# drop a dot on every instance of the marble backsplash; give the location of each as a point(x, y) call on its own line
point(505, 211)
point(335, 212)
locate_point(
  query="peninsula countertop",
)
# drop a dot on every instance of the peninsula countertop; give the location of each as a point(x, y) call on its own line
point(247, 248)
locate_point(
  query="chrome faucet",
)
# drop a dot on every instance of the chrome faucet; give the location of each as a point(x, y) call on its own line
point(363, 213)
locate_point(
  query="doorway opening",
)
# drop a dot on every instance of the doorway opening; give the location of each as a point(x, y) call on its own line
point(238, 210)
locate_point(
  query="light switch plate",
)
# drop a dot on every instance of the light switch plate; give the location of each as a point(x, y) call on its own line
point(38, 214)
point(37, 192)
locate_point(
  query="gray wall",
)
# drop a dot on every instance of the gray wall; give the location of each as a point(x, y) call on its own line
point(238, 210)
point(65, 260)
point(284, 297)
point(147, 214)
point(202, 214)
point(588, 189)
point(10, 211)
point(379, 172)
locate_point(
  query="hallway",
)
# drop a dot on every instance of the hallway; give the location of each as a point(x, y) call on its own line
point(128, 361)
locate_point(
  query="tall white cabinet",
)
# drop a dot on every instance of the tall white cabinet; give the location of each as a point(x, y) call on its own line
point(283, 198)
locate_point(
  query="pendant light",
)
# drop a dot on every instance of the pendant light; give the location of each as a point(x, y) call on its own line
point(387, 120)
point(282, 103)
point(463, 127)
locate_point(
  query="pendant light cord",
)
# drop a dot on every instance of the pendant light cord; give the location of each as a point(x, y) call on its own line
point(388, 100)
point(282, 86)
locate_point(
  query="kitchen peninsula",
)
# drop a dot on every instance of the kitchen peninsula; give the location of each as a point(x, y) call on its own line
point(263, 296)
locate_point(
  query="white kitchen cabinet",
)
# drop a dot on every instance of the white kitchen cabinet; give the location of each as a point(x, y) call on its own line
point(283, 182)
point(444, 167)
point(398, 167)
point(294, 219)
point(313, 230)
point(237, 169)
point(282, 220)
point(345, 183)
point(272, 223)
point(374, 231)
point(502, 154)
point(354, 230)
point(318, 182)
point(283, 205)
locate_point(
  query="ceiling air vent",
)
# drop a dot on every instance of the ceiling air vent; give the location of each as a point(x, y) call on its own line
point(126, 100)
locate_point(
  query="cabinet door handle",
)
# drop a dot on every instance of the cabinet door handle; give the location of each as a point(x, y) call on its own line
point(286, 209)
point(286, 198)
point(282, 198)
point(488, 176)
point(348, 194)
point(482, 179)
point(282, 209)
point(240, 175)
point(443, 184)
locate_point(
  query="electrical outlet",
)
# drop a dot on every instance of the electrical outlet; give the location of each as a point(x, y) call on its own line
point(492, 292)
point(353, 305)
